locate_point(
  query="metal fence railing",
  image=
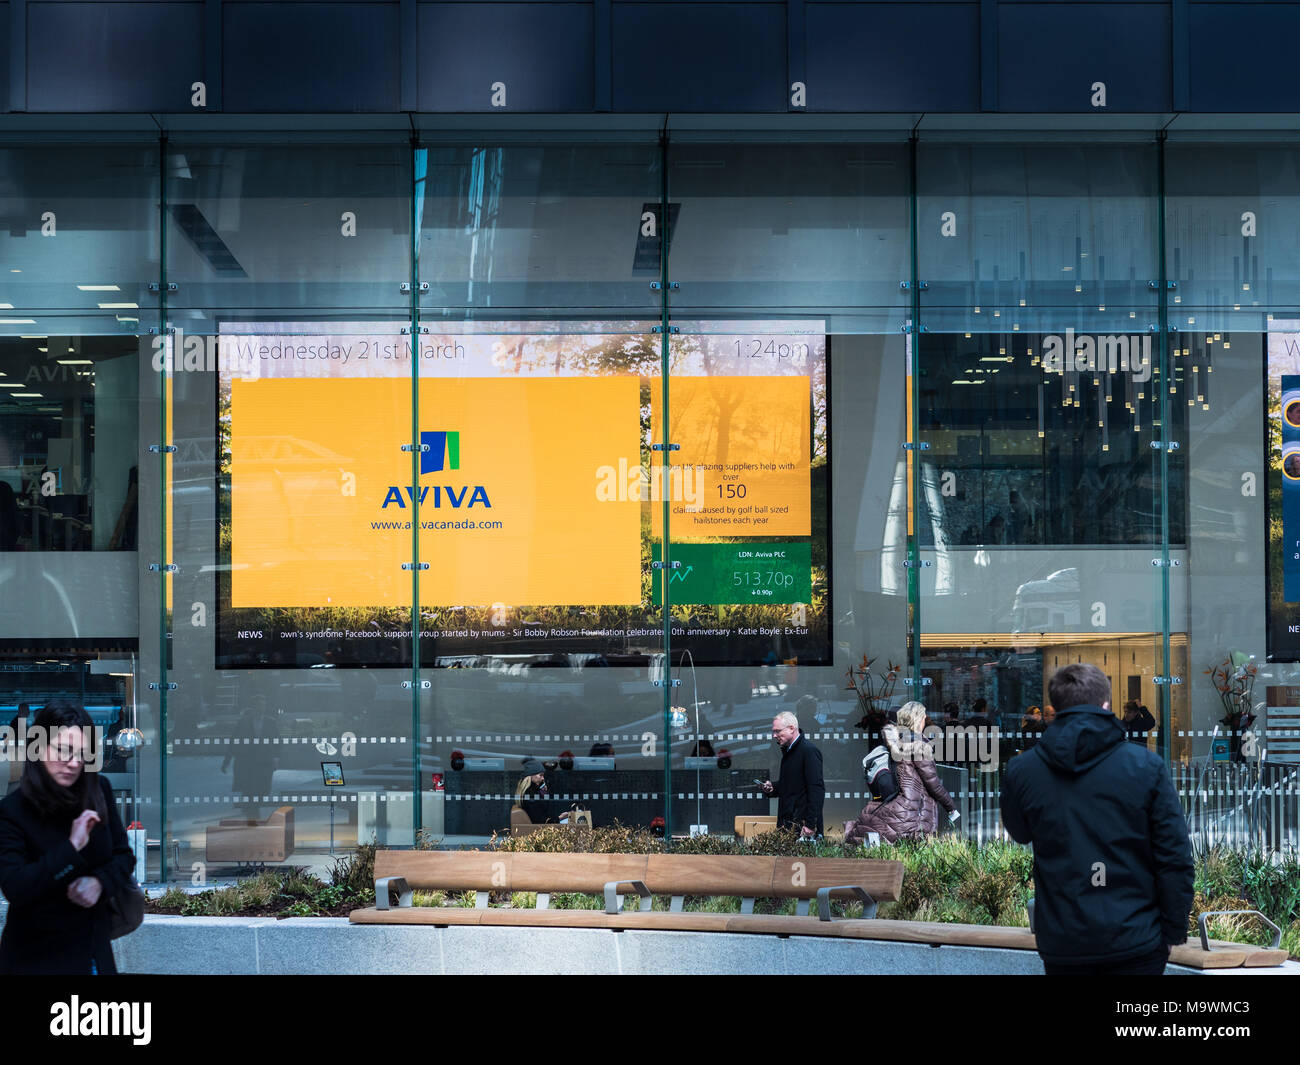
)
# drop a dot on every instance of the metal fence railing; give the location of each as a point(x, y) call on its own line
point(1253, 805)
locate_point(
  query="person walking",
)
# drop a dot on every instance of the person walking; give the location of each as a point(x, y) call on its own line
point(913, 813)
point(801, 789)
point(63, 853)
point(1112, 864)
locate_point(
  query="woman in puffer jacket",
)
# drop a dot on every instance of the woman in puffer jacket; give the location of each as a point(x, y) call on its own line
point(913, 812)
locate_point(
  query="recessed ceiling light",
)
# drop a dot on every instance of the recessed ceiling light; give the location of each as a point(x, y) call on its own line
point(17, 321)
point(6, 306)
point(99, 288)
point(75, 362)
point(27, 395)
point(119, 306)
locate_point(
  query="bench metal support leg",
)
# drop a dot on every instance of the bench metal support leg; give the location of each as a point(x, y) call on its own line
point(385, 886)
point(679, 901)
point(801, 907)
point(612, 899)
point(824, 901)
point(480, 900)
point(746, 905)
point(1203, 918)
point(543, 900)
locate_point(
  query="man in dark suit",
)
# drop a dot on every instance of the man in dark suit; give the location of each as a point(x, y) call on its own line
point(801, 789)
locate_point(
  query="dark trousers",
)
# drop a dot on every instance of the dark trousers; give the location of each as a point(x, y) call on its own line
point(1152, 964)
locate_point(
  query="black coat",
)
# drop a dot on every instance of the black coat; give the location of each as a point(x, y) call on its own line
point(801, 789)
point(914, 811)
point(532, 802)
point(1112, 865)
point(45, 932)
point(1139, 725)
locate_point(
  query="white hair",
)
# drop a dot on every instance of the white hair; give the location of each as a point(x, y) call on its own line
point(787, 718)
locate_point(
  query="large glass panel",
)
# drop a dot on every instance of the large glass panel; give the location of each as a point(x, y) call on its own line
point(1041, 520)
point(1232, 213)
point(288, 402)
point(79, 249)
point(542, 674)
point(80, 241)
point(786, 407)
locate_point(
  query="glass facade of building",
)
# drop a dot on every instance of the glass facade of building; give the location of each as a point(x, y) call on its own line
point(602, 449)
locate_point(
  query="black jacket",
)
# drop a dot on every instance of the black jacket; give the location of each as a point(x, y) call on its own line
point(531, 801)
point(45, 932)
point(801, 789)
point(1139, 726)
point(1112, 865)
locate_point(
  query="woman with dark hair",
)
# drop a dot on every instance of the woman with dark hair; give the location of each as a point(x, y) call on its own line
point(63, 852)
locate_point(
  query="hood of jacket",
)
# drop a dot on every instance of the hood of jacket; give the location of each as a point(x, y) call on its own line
point(1079, 738)
point(905, 745)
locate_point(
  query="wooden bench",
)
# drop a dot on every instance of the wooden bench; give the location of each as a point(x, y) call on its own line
point(674, 875)
point(399, 873)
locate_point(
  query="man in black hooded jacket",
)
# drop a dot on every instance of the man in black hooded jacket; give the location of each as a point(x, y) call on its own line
point(1112, 865)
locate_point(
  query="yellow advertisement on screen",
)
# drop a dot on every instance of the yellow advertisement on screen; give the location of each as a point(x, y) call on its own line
point(744, 455)
point(323, 507)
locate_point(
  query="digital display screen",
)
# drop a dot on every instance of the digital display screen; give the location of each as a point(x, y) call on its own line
point(535, 486)
point(1282, 451)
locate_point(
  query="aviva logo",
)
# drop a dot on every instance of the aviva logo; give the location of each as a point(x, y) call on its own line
point(443, 454)
point(442, 446)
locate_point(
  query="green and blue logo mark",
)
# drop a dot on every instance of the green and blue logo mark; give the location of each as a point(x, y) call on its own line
point(441, 446)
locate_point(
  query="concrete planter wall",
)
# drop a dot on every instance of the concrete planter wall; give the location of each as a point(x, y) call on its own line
point(304, 945)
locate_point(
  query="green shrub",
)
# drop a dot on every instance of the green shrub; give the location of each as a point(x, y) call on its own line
point(172, 898)
point(429, 898)
point(261, 890)
point(1291, 939)
point(572, 900)
point(356, 871)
